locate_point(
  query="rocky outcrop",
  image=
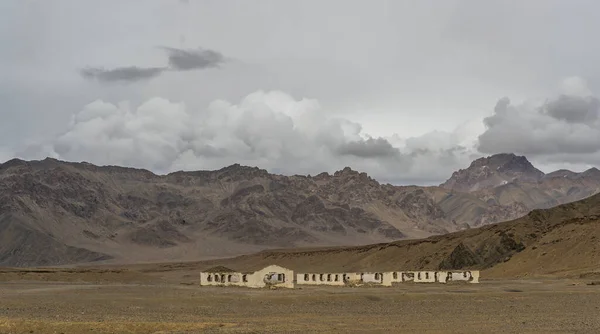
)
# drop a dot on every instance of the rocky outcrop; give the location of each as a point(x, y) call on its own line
point(493, 171)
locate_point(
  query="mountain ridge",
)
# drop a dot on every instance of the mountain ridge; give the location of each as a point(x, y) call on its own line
point(120, 214)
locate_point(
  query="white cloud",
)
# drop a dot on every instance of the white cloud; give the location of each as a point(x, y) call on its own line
point(271, 130)
point(275, 131)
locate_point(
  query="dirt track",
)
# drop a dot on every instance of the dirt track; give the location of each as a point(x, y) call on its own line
point(492, 306)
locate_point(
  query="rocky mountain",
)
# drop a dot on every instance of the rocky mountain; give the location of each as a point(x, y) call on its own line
point(511, 186)
point(493, 171)
point(54, 212)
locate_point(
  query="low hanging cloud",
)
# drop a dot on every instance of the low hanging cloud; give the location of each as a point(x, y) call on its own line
point(564, 128)
point(178, 60)
point(271, 130)
point(126, 74)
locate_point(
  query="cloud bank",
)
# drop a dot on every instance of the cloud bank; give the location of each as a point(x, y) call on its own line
point(275, 131)
point(271, 130)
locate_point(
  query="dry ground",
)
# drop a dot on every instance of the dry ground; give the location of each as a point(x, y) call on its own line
point(540, 306)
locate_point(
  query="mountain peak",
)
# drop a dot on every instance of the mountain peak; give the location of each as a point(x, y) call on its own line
point(591, 173)
point(493, 171)
point(12, 163)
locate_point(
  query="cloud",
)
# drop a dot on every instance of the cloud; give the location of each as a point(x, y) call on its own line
point(128, 74)
point(185, 60)
point(271, 130)
point(5, 155)
point(369, 148)
point(179, 60)
point(280, 133)
point(573, 109)
point(564, 127)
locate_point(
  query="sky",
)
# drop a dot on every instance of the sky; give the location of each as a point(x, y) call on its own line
point(407, 91)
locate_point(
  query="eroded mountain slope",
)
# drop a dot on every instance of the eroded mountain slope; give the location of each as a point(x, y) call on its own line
point(82, 212)
point(562, 241)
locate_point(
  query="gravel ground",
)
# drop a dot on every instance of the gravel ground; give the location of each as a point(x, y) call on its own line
point(557, 306)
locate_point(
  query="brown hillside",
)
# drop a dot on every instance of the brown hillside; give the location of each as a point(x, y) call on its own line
point(558, 241)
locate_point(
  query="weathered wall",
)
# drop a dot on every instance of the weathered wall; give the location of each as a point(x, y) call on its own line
point(223, 278)
point(396, 276)
point(442, 276)
point(258, 277)
point(471, 276)
point(372, 277)
point(461, 276)
point(321, 278)
point(386, 278)
point(275, 273)
point(251, 280)
point(408, 276)
point(424, 277)
point(475, 276)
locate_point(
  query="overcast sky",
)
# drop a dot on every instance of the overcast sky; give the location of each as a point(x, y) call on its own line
point(408, 91)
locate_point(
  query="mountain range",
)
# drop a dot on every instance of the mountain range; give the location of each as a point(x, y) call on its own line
point(55, 213)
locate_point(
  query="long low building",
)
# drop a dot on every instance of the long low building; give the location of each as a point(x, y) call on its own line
point(277, 276)
point(271, 276)
point(387, 278)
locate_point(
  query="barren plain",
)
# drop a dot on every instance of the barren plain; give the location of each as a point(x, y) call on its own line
point(146, 301)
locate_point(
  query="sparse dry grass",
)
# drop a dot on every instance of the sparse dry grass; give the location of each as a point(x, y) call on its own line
point(492, 306)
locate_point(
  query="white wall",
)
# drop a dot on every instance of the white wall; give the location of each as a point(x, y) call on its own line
point(252, 280)
point(441, 276)
point(372, 277)
point(408, 276)
point(257, 279)
point(387, 277)
point(475, 276)
point(424, 276)
point(461, 276)
point(471, 276)
point(397, 277)
point(320, 278)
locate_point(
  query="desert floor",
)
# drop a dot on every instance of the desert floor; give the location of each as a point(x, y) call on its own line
point(540, 306)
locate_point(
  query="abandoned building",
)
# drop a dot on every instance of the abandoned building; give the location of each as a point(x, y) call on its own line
point(327, 278)
point(277, 276)
point(272, 275)
point(386, 278)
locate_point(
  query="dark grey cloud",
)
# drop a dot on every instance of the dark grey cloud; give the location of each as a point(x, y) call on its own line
point(573, 109)
point(126, 74)
point(192, 59)
point(370, 148)
point(565, 125)
point(179, 60)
